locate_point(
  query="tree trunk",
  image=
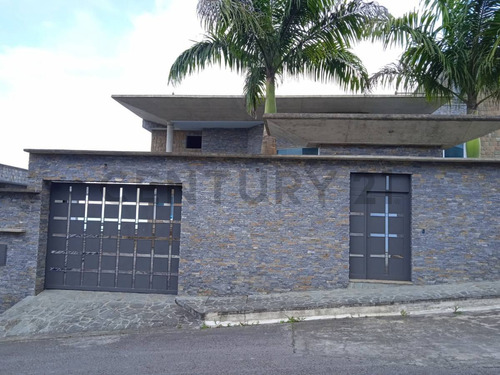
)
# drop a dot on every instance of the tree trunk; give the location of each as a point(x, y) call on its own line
point(473, 146)
point(471, 104)
point(270, 106)
point(269, 142)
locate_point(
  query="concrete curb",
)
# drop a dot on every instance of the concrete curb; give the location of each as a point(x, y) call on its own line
point(452, 307)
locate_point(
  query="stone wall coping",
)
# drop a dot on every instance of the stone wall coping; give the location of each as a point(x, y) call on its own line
point(394, 159)
point(11, 167)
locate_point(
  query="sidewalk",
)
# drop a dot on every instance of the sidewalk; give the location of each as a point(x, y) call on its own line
point(59, 313)
point(373, 300)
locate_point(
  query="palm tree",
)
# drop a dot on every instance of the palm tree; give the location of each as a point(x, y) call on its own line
point(452, 51)
point(266, 39)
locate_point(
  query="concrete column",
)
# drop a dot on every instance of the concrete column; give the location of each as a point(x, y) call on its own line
point(170, 137)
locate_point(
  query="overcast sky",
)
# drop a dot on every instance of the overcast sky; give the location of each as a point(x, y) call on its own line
point(61, 60)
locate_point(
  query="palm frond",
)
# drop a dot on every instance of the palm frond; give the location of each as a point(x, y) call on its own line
point(254, 88)
point(238, 15)
point(265, 38)
point(213, 50)
point(194, 59)
point(337, 65)
point(452, 49)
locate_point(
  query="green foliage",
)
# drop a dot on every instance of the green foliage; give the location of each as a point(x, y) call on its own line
point(292, 319)
point(451, 50)
point(473, 148)
point(268, 39)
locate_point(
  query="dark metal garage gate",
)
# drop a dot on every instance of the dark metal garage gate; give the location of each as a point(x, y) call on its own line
point(380, 227)
point(114, 237)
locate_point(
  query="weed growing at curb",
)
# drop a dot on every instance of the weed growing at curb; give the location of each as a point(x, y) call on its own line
point(404, 313)
point(204, 326)
point(455, 310)
point(292, 319)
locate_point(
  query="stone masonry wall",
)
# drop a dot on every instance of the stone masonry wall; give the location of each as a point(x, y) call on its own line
point(12, 175)
point(490, 144)
point(255, 135)
point(225, 141)
point(271, 224)
point(180, 142)
point(455, 226)
point(19, 222)
point(381, 150)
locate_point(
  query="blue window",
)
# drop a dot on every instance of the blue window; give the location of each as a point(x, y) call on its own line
point(458, 151)
point(299, 151)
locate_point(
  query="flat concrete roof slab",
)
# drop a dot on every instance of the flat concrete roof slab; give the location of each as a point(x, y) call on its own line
point(172, 108)
point(376, 129)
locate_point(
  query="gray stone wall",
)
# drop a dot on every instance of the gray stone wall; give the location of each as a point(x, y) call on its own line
point(233, 141)
point(270, 224)
point(225, 141)
point(12, 175)
point(255, 139)
point(381, 150)
point(19, 221)
point(455, 227)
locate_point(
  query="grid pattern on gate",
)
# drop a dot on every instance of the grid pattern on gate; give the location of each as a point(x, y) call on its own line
point(114, 237)
point(380, 227)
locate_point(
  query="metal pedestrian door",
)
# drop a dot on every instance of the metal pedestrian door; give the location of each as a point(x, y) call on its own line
point(114, 237)
point(380, 227)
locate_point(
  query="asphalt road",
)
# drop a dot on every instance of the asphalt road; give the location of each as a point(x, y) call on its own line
point(446, 344)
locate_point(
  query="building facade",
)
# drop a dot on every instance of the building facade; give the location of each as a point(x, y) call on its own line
point(239, 223)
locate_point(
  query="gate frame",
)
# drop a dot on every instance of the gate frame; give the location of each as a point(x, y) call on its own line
point(47, 185)
point(409, 224)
